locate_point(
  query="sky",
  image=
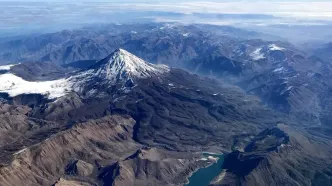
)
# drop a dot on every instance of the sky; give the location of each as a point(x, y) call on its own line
point(56, 14)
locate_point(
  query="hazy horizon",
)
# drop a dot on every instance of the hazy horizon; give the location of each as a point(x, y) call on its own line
point(51, 15)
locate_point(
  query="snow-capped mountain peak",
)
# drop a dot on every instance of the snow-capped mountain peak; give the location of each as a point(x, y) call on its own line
point(123, 65)
point(119, 67)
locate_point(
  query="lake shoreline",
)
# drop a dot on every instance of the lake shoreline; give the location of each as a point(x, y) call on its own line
point(208, 173)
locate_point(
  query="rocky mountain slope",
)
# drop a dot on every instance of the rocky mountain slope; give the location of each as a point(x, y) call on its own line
point(118, 115)
point(123, 121)
point(286, 156)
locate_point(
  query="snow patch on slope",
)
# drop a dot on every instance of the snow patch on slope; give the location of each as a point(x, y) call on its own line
point(281, 69)
point(14, 86)
point(274, 47)
point(20, 151)
point(7, 67)
point(257, 54)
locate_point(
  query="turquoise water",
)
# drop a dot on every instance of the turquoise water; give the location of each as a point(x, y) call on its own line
point(204, 176)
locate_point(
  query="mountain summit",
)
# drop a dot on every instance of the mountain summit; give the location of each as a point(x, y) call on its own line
point(120, 67)
point(124, 65)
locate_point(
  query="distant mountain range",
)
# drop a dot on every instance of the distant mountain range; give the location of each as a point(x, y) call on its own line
point(95, 43)
point(324, 52)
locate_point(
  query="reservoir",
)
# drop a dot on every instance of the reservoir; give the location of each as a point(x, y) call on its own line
point(203, 176)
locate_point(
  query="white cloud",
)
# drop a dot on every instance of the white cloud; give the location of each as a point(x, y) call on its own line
point(59, 14)
point(303, 10)
point(300, 9)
